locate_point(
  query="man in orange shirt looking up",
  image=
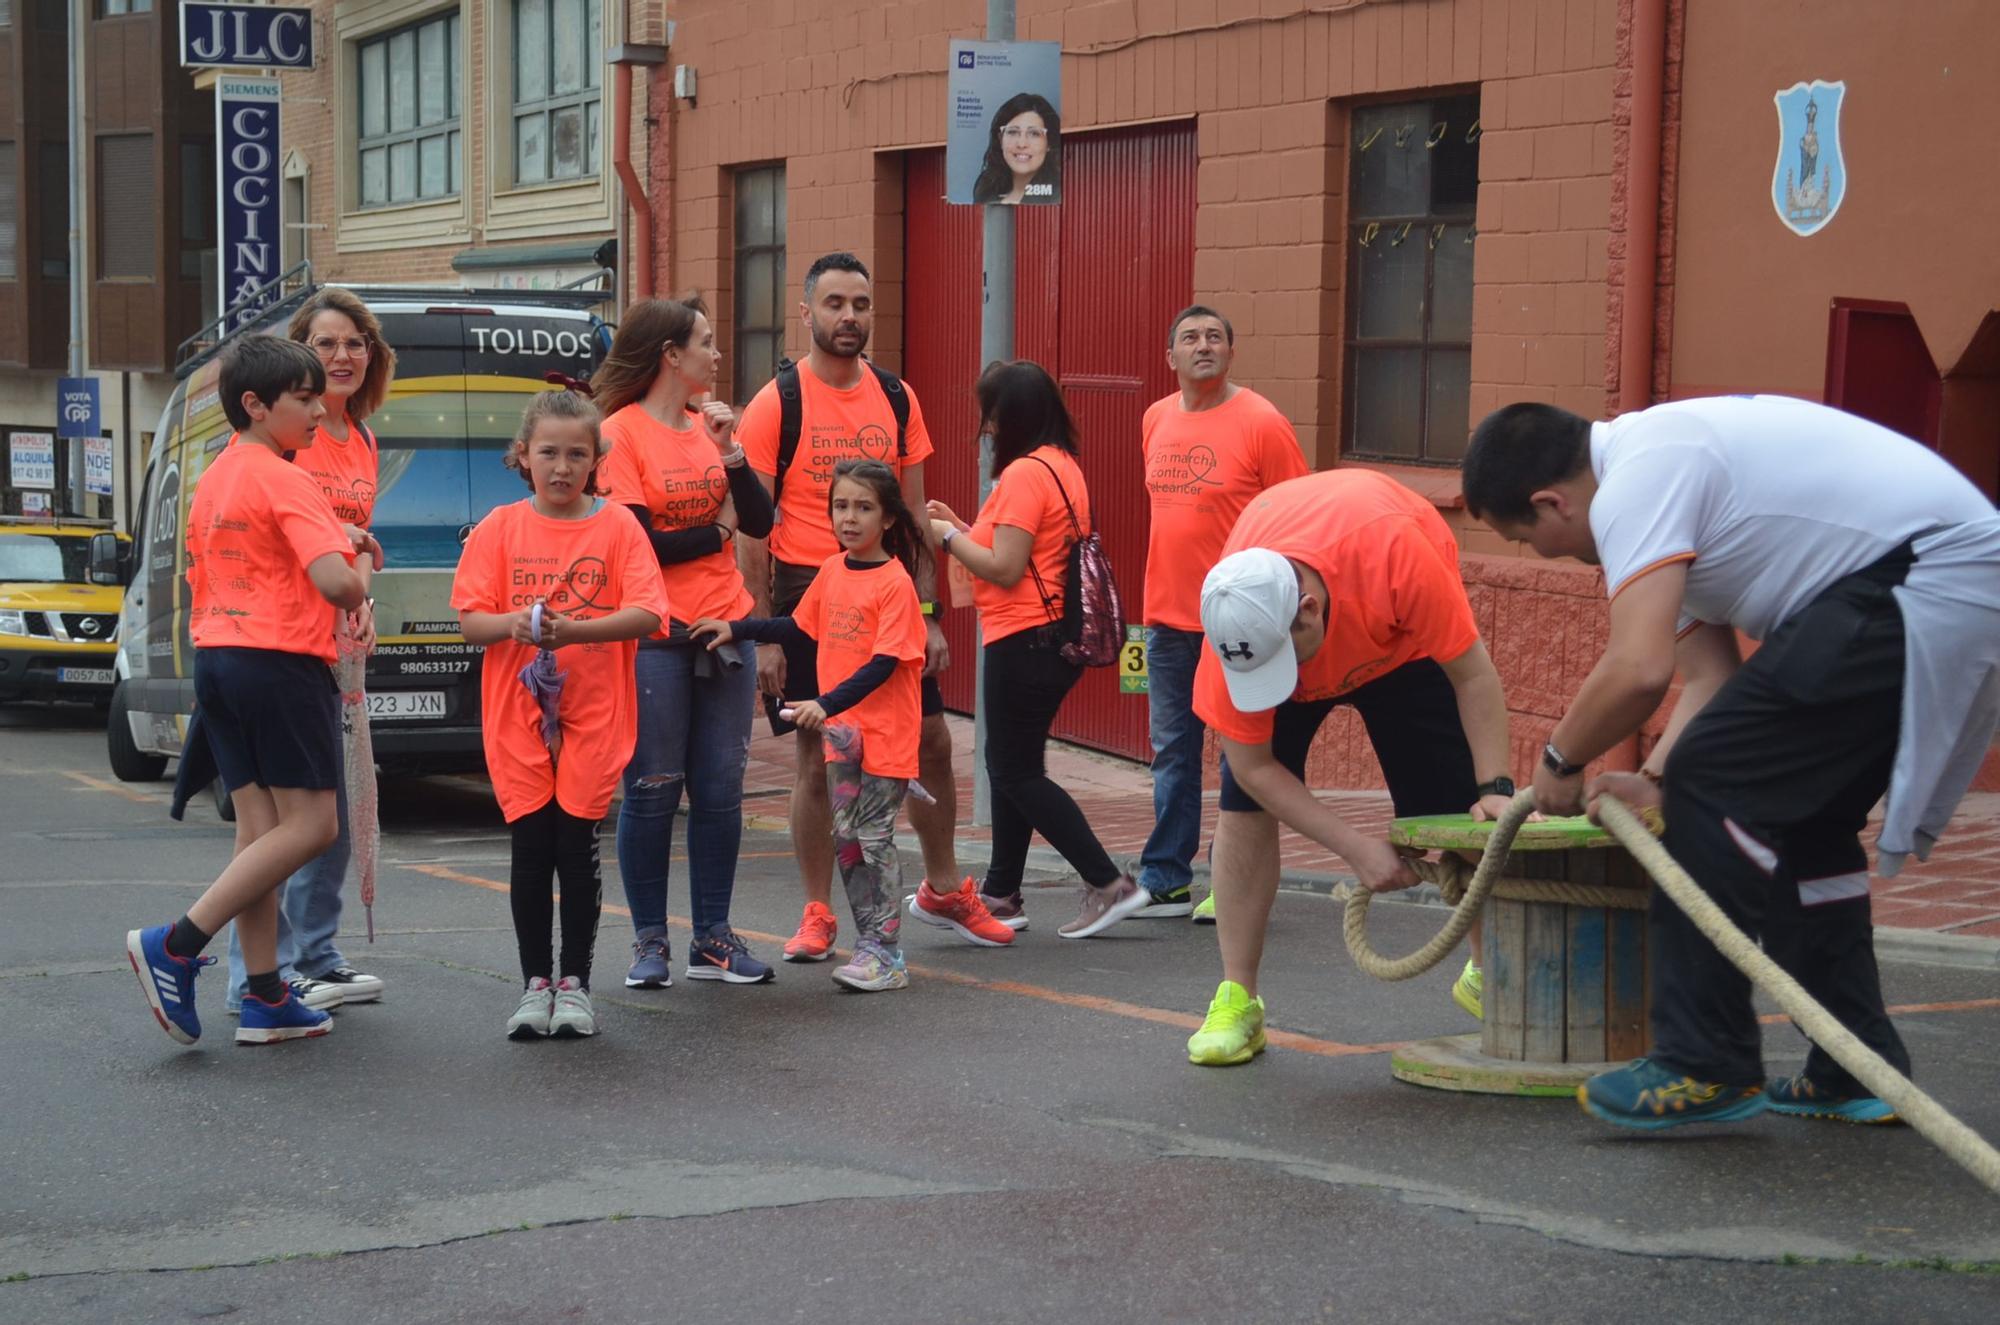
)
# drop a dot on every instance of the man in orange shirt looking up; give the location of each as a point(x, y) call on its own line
point(1210, 448)
point(1337, 588)
point(837, 406)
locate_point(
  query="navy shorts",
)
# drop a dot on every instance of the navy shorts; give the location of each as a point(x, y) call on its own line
point(788, 586)
point(1413, 723)
point(272, 718)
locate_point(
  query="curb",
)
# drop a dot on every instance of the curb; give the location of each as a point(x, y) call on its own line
point(1921, 947)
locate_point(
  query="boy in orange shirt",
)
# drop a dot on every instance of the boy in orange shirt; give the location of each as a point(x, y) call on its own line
point(1339, 588)
point(567, 572)
point(267, 565)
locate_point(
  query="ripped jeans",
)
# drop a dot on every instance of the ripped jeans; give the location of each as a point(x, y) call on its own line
point(694, 735)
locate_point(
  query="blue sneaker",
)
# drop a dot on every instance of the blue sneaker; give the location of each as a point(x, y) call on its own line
point(649, 960)
point(1801, 1098)
point(721, 955)
point(168, 981)
point(268, 1023)
point(1648, 1096)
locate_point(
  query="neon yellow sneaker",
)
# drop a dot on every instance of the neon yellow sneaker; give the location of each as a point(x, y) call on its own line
point(1470, 991)
point(1233, 1031)
point(1204, 913)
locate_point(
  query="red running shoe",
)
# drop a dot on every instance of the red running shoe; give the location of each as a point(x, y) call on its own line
point(963, 910)
point(814, 941)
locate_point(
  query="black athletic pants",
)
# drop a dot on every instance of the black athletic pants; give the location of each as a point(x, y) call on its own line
point(550, 844)
point(1766, 795)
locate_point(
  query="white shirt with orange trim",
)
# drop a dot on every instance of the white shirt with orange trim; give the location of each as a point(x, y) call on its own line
point(1770, 500)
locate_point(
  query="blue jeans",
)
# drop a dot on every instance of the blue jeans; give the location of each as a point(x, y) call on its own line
point(308, 909)
point(1166, 863)
point(694, 732)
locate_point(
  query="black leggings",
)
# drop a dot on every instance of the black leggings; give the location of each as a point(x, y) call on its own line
point(550, 843)
point(1026, 682)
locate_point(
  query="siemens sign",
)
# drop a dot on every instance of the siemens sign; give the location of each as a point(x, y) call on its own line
point(246, 135)
point(246, 36)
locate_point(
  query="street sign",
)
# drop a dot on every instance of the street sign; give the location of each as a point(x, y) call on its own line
point(77, 410)
point(32, 457)
point(246, 130)
point(246, 36)
point(1003, 138)
point(97, 465)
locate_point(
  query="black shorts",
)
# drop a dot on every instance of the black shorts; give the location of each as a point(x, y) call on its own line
point(272, 718)
point(1413, 723)
point(788, 586)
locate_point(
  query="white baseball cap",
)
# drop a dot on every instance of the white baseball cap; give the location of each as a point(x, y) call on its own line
point(1248, 603)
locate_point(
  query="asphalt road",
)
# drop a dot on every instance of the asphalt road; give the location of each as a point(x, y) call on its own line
point(1016, 1137)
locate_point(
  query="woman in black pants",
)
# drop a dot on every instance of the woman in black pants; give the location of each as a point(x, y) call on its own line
point(1018, 553)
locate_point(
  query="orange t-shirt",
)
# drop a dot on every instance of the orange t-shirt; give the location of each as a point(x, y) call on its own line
point(854, 615)
point(1202, 469)
point(1391, 568)
point(1025, 496)
point(834, 425)
point(255, 525)
point(585, 568)
point(678, 476)
point(346, 471)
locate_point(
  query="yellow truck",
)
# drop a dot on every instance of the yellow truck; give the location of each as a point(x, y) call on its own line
point(58, 627)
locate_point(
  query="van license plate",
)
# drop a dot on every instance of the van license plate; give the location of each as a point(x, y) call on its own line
point(84, 676)
point(393, 704)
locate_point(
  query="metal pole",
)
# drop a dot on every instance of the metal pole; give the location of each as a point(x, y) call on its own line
point(996, 341)
point(76, 156)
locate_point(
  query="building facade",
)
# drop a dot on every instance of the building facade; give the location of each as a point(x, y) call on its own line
point(452, 143)
point(1413, 211)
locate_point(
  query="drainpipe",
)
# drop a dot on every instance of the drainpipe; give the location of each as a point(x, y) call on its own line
point(1642, 242)
point(622, 58)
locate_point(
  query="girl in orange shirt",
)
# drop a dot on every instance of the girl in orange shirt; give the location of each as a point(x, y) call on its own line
point(570, 573)
point(862, 612)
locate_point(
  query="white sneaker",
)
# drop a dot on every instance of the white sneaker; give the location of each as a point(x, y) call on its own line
point(573, 1014)
point(531, 1020)
point(355, 986)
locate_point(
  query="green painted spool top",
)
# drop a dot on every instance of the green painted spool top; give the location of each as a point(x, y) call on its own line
point(1461, 832)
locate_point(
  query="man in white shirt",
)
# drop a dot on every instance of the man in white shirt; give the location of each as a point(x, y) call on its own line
point(1869, 569)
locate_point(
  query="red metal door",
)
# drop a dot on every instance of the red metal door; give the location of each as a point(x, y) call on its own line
point(1877, 366)
point(1096, 282)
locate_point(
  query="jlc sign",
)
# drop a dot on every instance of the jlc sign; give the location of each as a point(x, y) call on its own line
point(246, 36)
point(246, 134)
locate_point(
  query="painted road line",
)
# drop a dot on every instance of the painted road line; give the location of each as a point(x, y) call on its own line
point(1115, 1007)
point(114, 788)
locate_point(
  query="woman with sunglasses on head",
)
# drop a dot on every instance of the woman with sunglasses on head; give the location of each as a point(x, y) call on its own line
point(676, 465)
point(343, 458)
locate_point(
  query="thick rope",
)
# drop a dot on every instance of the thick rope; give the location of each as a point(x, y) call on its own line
point(1452, 874)
point(1960, 1143)
point(1964, 1146)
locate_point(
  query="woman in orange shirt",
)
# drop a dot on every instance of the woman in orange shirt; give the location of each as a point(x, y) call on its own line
point(570, 573)
point(683, 476)
point(1018, 553)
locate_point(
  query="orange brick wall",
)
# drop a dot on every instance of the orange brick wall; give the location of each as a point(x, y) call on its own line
point(1269, 87)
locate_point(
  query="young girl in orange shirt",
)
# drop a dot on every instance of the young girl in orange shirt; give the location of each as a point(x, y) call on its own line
point(562, 571)
point(863, 613)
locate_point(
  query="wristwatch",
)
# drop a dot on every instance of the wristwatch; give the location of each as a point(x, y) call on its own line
point(948, 535)
point(1500, 786)
point(1552, 760)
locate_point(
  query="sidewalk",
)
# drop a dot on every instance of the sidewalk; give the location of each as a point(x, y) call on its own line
point(1956, 892)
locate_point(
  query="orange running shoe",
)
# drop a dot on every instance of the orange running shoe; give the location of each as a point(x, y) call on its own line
point(961, 909)
point(814, 941)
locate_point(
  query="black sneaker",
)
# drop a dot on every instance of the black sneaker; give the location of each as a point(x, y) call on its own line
point(1174, 905)
point(355, 987)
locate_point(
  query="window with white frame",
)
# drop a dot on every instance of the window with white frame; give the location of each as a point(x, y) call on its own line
point(760, 276)
point(558, 111)
point(409, 88)
point(113, 8)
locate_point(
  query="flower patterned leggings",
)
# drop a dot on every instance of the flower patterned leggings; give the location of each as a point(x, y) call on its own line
point(864, 842)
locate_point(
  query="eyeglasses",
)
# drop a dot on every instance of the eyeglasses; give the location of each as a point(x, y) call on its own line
point(1015, 133)
point(327, 346)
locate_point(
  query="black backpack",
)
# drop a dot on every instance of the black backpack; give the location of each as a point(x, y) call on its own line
point(791, 411)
